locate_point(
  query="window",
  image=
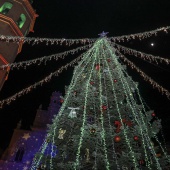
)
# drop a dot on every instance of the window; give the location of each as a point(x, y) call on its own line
point(4, 9)
point(19, 154)
point(21, 20)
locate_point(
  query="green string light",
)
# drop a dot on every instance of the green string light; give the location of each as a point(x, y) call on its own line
point(118, 110)
point(108, 114)
point(84, 112)
point(103, 134)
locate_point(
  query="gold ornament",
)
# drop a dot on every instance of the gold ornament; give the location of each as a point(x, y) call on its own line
point(61, 133)
point(92, 131)
point(87, 155)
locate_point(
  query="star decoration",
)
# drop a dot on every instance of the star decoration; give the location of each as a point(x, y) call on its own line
point(103, 34)
point(26, 136)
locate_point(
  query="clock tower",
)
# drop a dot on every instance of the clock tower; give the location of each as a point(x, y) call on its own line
point(17, 18)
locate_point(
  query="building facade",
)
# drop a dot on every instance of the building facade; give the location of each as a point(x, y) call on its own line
point(17, 18)
point(25, 144)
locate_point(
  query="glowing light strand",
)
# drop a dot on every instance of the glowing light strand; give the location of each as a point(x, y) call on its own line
point(109, 117)
point(48, 41)
point(40, 83)
point(61, 41)
point(56, 119)
point(36, 161)
point(44, 59)
point(118, 110)
point(134, 110)
point(145, 77)
point(140, 98)
point(84, 115)
point(144, 111)
point(141, 55)
point(72, 85)
point(148, 141)
point(103, 134)
point(95, 111)
point(137, 119)
point(140, 36)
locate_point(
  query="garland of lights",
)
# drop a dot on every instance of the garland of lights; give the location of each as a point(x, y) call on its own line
point(134, 113)
point(103, 134)
point(137, 117)
point(140, 98)
point(119, 113)
point(48, 41)
point(140, 36)
point(38, 61)
point(145, 77)
point(111, 129)
point(145, 139)
point(95, 111)
point(84, 119)
point(141, 55)
point(68, 42)
point(40, 83)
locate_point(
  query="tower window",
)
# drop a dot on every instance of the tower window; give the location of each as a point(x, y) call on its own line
point(21, 20)
point(4, 9)
point(19, 154)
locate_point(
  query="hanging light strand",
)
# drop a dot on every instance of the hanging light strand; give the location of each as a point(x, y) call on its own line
point(68, 42)
point(40, 83)
point(140, 36)
point(38, 61)
point(145, 77)
point(48, 41)
point(141, 55)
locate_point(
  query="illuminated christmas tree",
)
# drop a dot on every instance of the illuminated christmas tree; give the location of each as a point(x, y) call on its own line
point(103, 123)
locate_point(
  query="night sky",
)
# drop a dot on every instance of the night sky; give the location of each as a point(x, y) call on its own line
point(86, 19)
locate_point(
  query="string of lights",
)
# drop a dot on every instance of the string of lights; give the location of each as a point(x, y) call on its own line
point(141, 55)
point(143, 104)
point(38, 61)
point(118, 109)
point(48, 41)
point(40, 83)
point(109, 118)
point(145, 77)
point(68, 42)
point(103, 131)
point(140, 36)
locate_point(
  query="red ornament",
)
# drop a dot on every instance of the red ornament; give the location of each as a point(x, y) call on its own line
point(61, 100)
point(92, 82)
point(104, 107)
point(129, 123)
point(97, 67)
point(141, 162)
point(115, 80)
point(136, 138)
point(153, 114)
point(118, 125)
point(108, 60)
point(117, 138)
